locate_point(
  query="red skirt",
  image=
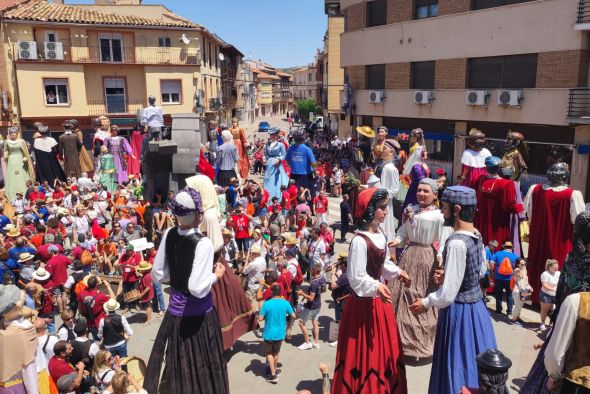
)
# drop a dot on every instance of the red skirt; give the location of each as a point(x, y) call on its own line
point(369, 357)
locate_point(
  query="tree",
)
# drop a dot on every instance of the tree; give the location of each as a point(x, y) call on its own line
point(304, 107)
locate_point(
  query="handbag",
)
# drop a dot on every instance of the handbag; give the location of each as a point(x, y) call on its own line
point(525, 294)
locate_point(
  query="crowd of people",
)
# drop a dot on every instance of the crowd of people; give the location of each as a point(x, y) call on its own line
point(82, 248)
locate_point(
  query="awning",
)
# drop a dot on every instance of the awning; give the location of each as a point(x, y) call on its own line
point(428, 135)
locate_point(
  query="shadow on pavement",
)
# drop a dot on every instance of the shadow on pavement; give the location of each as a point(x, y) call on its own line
point(257, 367)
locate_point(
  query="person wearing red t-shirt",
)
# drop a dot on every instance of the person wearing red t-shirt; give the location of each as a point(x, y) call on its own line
point(293, 192)
point(240, 223)
point(129, 262)
point(263, 209)
point(57, 266)
point(320, 205)
point(264, 292)
point(36, 194)
point(285, 278)
point(58, 366)
point(146, 287)
point(96, 300)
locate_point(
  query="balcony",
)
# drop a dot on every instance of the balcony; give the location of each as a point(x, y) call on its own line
point(114, 107)
point(31, 51)
point(583, 19)
point(578, 109)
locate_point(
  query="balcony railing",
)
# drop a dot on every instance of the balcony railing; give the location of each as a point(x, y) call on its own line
point(114, 106)
point(578, 110)
point(63, 52)
point(583, 11)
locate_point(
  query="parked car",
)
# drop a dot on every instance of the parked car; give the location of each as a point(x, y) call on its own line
point(263, 127)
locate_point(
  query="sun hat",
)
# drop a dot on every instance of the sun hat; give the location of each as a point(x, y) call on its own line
point(143, 266)
point(255, 250)
point(13, 232)
point(41, 274)
point(373, 181)
point(85, 279)
point(9, 296)
point(366, 131)
point(227, 232)
point(24, 257)
point(111, 305)
point(290, 240)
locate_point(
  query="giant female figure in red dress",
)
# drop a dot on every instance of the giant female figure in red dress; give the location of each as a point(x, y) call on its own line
point(369, 357)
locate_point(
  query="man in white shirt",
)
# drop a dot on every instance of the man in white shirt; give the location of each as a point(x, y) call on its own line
point(153, 119)
point(46, 341)
point(316, 251)
point(254, 268)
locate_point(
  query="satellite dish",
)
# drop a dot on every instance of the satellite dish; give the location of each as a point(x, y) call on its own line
point(186, 40)
point(221, 57)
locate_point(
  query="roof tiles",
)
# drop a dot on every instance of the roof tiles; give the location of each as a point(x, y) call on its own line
point(42, 11)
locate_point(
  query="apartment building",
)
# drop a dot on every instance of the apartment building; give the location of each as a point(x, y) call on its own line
point(305, 82)
point(450, 66)
point(73, 61)
point(273, 89)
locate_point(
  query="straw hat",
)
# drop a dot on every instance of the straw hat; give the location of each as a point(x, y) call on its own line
point(85, 279)
point(255, 250)
point(24, 257)
point(143, 266)
point(366, 131)
point(290, 240)
point(13, 232)
point(41, 274)
point(343, 255)
point(49, 200)
point(111, 305)
point(227, 232)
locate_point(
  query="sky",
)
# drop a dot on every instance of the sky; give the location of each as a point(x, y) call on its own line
point(283, 33)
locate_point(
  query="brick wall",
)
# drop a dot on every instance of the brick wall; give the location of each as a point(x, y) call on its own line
point(356, 17)
point(447, 7)
point(450, 74)
point(400, 10)
point(562, 69)
point(397, 76)
point(356, 77)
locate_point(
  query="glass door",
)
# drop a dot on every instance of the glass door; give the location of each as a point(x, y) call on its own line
point(111, 48)
point(114, 92)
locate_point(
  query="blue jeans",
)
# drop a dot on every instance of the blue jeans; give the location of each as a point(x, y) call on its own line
point(501, 285)
point(158, 303)
point(120, 350)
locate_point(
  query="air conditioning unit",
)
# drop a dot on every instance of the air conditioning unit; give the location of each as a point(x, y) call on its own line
point(509, 98)
point(423, 97)
point(376, 96)
point(27, 50)
point(477, 97)
point(54, 50)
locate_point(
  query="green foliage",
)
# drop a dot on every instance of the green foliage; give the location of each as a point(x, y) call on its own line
point(304, 107)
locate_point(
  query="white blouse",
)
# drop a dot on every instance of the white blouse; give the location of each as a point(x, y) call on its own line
point(475, 159)
point(360, 281)
point(425, 227)
point(202, 277)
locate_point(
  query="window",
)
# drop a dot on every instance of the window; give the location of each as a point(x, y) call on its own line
point(376, 13)
point(114, 92)
point(375, 76)
point(309, 77)
point(423, 75)
point(426, 8)
point(509, 72)
point(50, 36)
point(210, 55)
point(171, 91)
point(111, 47)
point(483, 4)
point(164, 42)
point(204, 53)
point(56, 91)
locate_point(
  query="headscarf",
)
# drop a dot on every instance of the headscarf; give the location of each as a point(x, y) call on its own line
point(368, 205)
point(186, 202)
point(575, 275)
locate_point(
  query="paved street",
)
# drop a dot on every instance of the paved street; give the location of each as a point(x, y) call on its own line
point(300, 368)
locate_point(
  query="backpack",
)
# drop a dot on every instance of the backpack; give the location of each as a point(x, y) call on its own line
point(86, 257)
point(505, 267)
point(7, 277)
point(298, 279)
point(88, 304)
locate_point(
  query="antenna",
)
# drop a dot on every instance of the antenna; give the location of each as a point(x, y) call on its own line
point(185, 39)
